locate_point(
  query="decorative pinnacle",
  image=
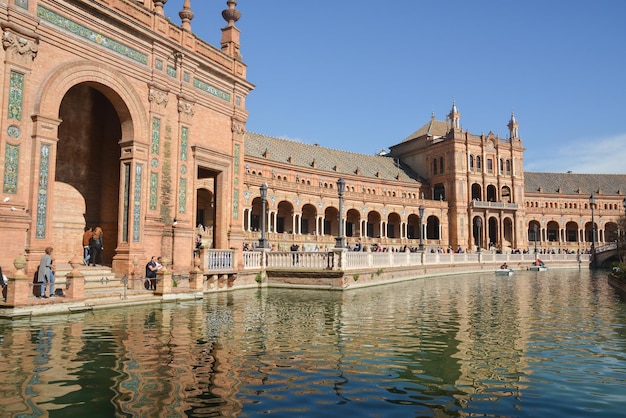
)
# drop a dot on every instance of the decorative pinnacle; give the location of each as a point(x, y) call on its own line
point(158, 6)
point(231, 15)
point(186, 15)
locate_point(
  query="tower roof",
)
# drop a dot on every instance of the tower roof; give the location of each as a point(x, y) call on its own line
point(434, 128)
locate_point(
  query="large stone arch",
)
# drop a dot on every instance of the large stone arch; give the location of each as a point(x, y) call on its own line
point(120, 92)
point(127, 129)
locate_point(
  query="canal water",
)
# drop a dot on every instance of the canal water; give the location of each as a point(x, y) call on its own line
point(536, 344)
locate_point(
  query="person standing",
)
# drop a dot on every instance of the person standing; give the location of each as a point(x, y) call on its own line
point(44, 274)
point(95, 247)
point(86, 238)
point(151, 272)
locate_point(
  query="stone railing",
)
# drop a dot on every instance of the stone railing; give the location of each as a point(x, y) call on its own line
point(493, 205)
point(219, 260)
point(352, 260)
point(252, 260)
point(300, 260)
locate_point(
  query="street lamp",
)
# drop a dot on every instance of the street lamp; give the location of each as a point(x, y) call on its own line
point(263, 244)
point(479, 224)
point(535, 228)
point(340, 241)
point(592, 203)
point(421, 210)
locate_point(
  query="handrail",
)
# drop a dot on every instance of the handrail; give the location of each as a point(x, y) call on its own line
point(355, 260)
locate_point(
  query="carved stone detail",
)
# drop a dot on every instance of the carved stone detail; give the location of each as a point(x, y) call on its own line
point(158, 95)
point(238, 128)
point(185, 107)
point(19, 48)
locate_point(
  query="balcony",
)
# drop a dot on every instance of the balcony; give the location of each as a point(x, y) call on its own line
point(479, 204)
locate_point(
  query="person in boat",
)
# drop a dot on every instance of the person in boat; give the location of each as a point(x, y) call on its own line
point(504, 266)
point(538, 262)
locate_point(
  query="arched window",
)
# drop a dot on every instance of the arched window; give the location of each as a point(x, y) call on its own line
point(471, 162)
point(478, 164)
point(441, 165)
point(435, 166)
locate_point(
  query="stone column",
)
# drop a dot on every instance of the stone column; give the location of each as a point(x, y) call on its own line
point(340, 258)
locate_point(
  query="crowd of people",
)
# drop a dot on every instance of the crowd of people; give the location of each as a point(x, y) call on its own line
point(376, 247)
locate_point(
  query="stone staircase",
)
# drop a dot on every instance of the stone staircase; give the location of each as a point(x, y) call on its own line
point(98, 279)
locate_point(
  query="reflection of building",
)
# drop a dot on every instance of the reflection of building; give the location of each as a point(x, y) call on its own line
point(459, 178)
point(117, 117)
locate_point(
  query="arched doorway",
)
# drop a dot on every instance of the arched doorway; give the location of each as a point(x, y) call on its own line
point(353, 223)
point(87, 175)
point(308, 220)
point(331, 221)
point(394, 225)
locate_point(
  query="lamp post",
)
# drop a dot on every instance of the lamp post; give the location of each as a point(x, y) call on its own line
point(421, 210)
point(340, 241)
point(479, 224)
point(263, 244)
point(592, 203)
point(535, 228)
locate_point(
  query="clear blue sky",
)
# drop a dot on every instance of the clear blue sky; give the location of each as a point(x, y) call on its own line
point(361, 75)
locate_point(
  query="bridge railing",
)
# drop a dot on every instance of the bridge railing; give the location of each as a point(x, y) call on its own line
point(354, 260)
point(287, 260)
point(219, 260)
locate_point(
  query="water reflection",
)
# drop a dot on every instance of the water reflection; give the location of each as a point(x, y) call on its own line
point(548, 344)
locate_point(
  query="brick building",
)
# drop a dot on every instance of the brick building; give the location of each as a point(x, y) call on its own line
point(115, 116)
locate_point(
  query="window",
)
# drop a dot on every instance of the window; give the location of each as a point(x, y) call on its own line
point(489, 165)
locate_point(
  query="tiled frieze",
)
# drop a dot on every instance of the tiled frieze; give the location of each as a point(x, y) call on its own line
point(16, 95)
point(91, 35)
point(154, 190)
point(42, 191)
point(126, 202)
point(182, 196)
point(137, 203)
point(207, 88)
point(171, 71)
point(11, 163)
point(156, 135)
point(236, 204)
point(237, 151)
point(184, 140)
